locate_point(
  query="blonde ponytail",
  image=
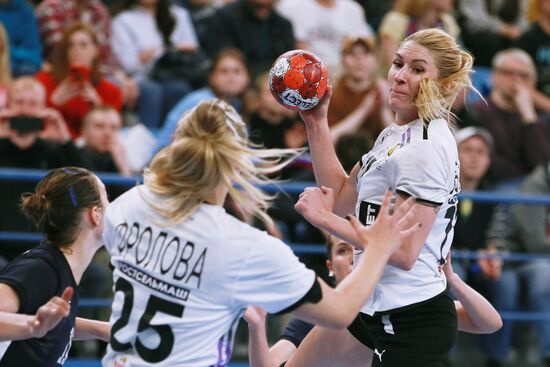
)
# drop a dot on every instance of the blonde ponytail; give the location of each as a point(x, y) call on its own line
point(435, 97)
point(210, 148)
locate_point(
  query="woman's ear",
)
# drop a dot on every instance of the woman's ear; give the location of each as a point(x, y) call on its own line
point(95, 215)
point(329, 267)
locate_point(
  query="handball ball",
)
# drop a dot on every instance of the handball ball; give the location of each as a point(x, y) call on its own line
point(298, 79)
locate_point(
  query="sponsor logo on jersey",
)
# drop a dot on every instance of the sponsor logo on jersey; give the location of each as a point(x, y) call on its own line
point(368, 212)
point(153, 282)
point(394, 148)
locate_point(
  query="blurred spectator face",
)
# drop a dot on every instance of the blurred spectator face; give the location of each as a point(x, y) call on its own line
point(268, 108)
point(359, 63)
point(229, 77)
point(443, 6)
point(475, 158)
point(27, 97)
point(147, 3)
point(100, 129)
point(82, 49)
point(510, 73)
point(544, 8)
point(262, 8)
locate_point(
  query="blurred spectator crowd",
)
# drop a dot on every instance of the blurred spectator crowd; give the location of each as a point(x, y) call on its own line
point(103, 84)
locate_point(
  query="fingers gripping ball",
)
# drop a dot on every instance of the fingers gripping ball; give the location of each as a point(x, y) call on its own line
point(298, 79)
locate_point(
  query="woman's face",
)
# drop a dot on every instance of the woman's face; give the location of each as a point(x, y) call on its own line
point(544, 8)
point(443, 6)
point(359, 64)
point(342, 259)
point(411, 63)
point(229, 78)
point(82, 49)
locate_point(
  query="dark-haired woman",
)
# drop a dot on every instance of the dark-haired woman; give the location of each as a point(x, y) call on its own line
point(75, 85)
point(68, 205)
point(142, 31)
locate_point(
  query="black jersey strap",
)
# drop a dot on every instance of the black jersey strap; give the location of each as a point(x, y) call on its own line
point(406, 195)
point(424, 132)
point(314, 295)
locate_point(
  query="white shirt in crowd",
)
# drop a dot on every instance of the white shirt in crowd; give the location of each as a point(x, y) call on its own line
point(135, 30)
point(423, 162)
point(322, 28)
point(180, 290)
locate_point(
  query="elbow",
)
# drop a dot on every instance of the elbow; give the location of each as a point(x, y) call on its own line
point(403, 263)
point(496, 325)
point(408, 265)
point(405, 257)
point(341, 321)
point(499, 324)
point(491, 326)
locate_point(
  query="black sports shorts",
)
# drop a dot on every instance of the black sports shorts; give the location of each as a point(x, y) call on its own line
point(418, 335)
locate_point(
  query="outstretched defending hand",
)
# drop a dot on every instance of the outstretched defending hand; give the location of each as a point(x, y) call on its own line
point(389, 230)
point(49, 315)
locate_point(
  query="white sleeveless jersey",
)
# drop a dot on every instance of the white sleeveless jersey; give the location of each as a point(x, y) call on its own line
point(423, 162)
point(181, 290)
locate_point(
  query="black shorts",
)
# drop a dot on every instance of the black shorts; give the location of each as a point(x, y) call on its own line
point(418, 335)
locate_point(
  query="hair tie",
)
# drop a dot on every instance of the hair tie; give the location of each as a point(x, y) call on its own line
point(72, 194)
point(232, 118)
point(69, 171)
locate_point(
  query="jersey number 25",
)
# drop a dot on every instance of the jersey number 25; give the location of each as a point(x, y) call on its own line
point(154, 305)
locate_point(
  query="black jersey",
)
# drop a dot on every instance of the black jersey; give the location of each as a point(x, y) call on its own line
point(296, 330)
point(37, 276)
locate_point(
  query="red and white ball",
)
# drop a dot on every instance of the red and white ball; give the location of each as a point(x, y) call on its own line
point(298, 79)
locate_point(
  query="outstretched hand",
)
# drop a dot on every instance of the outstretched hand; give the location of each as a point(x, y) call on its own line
point(49, 315)
point(389, 230)
point(318, 113)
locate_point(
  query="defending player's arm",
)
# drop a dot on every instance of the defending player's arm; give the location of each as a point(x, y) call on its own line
point(475, 314)
point(339, 306)
point(14, 326)
point(259, 353)
point(86, 329)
